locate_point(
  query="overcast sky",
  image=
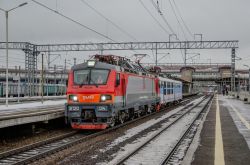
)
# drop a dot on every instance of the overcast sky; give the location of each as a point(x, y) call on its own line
point(215, 19)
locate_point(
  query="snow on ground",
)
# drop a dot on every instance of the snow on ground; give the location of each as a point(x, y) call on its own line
point(136, 130)
point(243, 110)
point(156, 151)
point(32, 105)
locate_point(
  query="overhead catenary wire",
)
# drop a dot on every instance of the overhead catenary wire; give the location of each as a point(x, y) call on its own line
point(165, 30)
point(165, 20)
point(184, 23)
point(72, 20)
point(162, 16)
point(156, 6)
point(107, 19)
point(183, 32)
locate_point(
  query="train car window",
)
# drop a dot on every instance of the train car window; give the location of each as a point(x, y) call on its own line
point(117, 82)
point(164, 91)
point(168, 84)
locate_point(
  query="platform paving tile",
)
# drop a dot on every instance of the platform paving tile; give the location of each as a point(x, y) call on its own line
point(205, 152)
point(236, 151)
point(244, 111)
point(235, 147)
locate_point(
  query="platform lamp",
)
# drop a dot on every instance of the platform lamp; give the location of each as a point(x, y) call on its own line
point(248, 77)
point(7, 48)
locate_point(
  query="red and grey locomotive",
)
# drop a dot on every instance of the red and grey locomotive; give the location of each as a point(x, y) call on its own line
point(111, 89)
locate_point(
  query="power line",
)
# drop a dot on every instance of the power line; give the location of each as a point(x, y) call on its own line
point(114, 24)
point(153, 17)
point(178, 20)
point(165, 20)
point(162, 16)
point(72, 20)
point(184, 23)
point(157, 7)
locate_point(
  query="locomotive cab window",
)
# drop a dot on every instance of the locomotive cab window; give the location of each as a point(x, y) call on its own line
point(91, 76)
point(98, 76)
point(81, 77)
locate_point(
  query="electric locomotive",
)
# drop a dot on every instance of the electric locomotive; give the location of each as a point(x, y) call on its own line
point(107, 90)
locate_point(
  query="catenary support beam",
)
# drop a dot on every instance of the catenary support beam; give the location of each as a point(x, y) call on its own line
point(125, 46)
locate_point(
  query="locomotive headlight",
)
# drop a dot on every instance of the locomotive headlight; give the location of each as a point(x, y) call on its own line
point(105, 98)
point(91, 63)
point(73, 98)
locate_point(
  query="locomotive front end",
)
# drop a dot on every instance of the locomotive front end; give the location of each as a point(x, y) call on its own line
point(90, 96)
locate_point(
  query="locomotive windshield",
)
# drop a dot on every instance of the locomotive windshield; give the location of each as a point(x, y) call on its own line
point(91, 76)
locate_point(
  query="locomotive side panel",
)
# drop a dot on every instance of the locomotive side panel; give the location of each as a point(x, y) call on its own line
point(140, 91)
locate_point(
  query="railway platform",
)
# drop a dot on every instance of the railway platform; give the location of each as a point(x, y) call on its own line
point(18, 114)
point(30, 99)
point(225, 136)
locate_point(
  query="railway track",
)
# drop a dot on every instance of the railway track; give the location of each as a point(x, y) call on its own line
point(41, 149)
point(136, 157)
point(14, 100)
point(184, 142)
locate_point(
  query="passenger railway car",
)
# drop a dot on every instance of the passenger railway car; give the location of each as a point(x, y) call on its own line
point(48, 89)
point(170, 91)
point(111, 89)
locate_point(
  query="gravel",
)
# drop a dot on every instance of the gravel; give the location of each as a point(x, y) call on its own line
point(101, 148)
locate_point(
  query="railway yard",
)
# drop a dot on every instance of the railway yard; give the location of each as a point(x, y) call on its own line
point(176, 135)
point(135, 82)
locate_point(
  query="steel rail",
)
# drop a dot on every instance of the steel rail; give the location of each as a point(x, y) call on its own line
point(15, 99)
point(23, 153)
point(33, 112)
point(121, 161)
point(170, 155)
point(37, 144)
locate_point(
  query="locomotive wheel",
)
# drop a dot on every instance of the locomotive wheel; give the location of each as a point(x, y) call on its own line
point(131, 114)
point(149, 110)
point(122, 117)
point(112, 122)
point(158, 107)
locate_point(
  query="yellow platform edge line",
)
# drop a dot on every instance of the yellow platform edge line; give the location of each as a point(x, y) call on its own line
point(243, 120)
point(219, 150)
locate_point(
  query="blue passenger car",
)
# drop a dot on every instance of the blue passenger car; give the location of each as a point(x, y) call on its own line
point(170, 90)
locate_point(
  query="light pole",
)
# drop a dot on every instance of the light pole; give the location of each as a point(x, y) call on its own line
point(7, 49)
point(248, 77)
